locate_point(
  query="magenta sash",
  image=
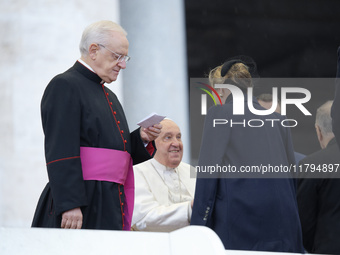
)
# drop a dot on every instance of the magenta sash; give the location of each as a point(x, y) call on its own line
point(113, 166)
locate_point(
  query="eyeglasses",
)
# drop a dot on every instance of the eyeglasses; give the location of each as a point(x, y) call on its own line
point(118, 57)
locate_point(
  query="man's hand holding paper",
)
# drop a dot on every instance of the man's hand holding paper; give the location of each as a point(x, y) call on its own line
point(150, 127)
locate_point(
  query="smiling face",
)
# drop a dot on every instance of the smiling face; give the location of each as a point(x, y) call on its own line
point(104, 62)
point(169, 145)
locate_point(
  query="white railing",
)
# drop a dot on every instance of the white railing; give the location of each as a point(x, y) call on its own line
point(186, 241)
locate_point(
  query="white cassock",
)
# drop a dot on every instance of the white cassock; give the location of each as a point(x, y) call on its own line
point(163, 196)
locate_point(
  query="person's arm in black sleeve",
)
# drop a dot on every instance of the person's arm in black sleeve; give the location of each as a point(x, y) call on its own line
point(139, 152)
point(61, 116)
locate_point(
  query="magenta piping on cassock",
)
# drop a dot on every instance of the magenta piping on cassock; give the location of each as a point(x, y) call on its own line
point(113, 166)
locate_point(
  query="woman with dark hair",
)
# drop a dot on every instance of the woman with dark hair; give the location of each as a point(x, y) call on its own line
point(248, 211)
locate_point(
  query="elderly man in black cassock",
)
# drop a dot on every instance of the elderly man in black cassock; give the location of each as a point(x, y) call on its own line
point(89, 149)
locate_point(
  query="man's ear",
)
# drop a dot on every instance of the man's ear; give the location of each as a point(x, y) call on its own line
point(93, 50)
point(319, 134)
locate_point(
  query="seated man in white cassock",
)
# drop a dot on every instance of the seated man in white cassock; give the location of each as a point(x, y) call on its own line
point(164, 191)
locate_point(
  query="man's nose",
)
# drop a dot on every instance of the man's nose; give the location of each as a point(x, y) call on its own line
point(122, 64)
point(175, 142)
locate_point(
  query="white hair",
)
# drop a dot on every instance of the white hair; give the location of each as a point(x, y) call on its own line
point(323, 118)
point(98, 32)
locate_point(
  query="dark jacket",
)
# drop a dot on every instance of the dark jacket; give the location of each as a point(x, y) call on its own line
point(247, 213)
point(319, 204)
point(335, 113)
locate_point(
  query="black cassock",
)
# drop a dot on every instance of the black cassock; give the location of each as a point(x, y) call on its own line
point(78, 110)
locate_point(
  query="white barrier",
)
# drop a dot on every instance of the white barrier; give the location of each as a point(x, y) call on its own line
point(46, 241)
point(38, 241)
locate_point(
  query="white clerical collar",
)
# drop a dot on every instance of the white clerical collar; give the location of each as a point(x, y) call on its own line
point(160, 168)
point(88, 67)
